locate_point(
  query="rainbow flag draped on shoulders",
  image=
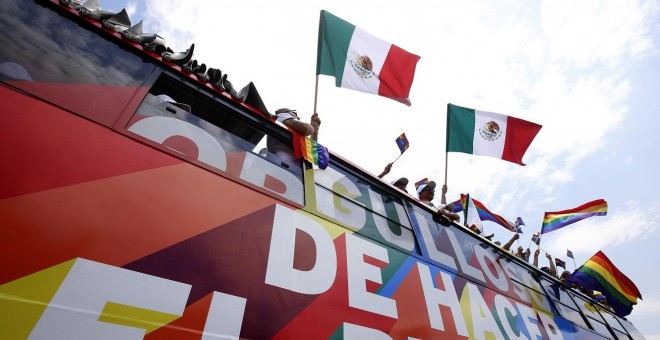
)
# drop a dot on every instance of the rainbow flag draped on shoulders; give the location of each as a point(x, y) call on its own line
point(599, 274)
point(559, 219)
point(484, 213)
point(311, 151)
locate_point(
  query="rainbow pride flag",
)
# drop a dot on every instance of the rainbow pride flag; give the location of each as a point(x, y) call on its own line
point(311, 151)
point(484, 213)
point(558, 219)
point(599, 274)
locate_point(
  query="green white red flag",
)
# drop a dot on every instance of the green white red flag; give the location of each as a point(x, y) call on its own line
point(488, 134)
point(363, 62)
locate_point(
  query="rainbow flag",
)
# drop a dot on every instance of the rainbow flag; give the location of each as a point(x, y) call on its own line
point(402, 143)
point(484, 213)
point(599, 274)
point(558, 219)
point(311, 151)
point(421, 182)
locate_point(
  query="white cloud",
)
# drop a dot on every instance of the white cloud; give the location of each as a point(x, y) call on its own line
point(647, 310)
point(131, 9)
point(588, 32)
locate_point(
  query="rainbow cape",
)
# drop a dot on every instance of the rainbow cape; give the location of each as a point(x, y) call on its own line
point(558, 219)
point(311, 151)
point(599, 274)
point(484, 213)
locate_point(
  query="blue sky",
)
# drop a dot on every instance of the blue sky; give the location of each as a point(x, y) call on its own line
point(588, 71)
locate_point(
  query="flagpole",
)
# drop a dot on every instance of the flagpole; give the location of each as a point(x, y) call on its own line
point(446, 144)
point(316, 92)
point(446, 158)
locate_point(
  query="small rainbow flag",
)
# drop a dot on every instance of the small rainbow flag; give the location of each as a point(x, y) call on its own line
point(599, 274)
point(560, 263)
point(402, 143)
point(311, 151)
point(484, 213)
point(423, 181)
point(558, 219)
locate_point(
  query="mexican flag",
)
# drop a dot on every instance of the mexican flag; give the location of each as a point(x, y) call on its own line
point(488, 134)
point(363, 62)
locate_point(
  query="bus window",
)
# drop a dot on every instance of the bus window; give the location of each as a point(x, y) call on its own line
point(594, 318)
point(632, 330)
point(51, 57)
point(198, 128)
point(350, 200)
point(614, 323)
point(563, 302)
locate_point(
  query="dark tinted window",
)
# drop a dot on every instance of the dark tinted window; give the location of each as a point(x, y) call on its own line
point(198, 127)
point(60, 61)
point(361, 205)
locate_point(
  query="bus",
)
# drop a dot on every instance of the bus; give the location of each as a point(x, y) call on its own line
point(137, 200)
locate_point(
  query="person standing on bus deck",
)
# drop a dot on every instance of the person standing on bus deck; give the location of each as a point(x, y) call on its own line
point(290, 119)
point(426, 192)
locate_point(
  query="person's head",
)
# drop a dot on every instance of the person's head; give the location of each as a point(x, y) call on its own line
point(546, 270)
point(520, 249)
point(565, 274)
point(401, 183)
point(426, 192)
point(291, 112)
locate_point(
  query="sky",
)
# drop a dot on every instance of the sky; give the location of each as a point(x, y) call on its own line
point(588, 71)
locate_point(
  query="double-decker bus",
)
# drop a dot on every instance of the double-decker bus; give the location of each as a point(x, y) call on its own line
point(125, 214)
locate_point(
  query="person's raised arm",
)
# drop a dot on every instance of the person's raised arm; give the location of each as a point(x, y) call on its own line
point(536, 257)
point(507, 245)
point(290, 119)
point(299, 127)
point(443, 199)
point(386, 171)
point(315, 122)
point(553, 269)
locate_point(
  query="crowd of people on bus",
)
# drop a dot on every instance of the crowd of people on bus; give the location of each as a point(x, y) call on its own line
point(426, 193)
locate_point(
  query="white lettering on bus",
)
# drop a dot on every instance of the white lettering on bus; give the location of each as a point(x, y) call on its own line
point(210, 151)
point(359, 272)
point(497, 278)
point(503, 307)
point(550, 326)
point(159, 129)
point(357, 332)
point(98, 301)
point(225, 317)
point(255, 169)
point(529, 320)
point(466, 268)
point(280, 271)
point(75, 310)
point(436, 297)
point(477, 311)
point(510, 271)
